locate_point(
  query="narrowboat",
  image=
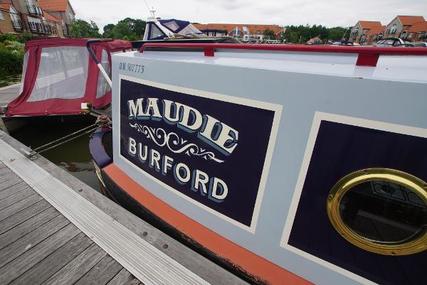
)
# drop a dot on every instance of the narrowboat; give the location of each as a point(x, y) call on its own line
point(286, 164)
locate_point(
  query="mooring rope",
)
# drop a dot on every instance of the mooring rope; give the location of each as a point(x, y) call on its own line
point(65, 139)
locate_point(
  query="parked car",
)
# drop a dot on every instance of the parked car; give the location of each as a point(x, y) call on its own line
point(342, 43)
point(393, 42)
point(420, 44)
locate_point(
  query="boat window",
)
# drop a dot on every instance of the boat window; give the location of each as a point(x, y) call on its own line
point(62, 74)
point(381, 210)
point(102, 86)
point(155, 32)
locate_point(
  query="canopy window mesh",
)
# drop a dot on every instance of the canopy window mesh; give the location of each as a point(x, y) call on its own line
point(24, 69)
point(62, 74)
point(102, 86)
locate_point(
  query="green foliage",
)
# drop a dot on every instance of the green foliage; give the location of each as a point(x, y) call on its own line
point(11, 56)
point(8, 37)
point(337, 33)
point(126, 29)
point(108, 31)
point(269, 34)
point(25, 36)
point(83, 29)
point(301, 34)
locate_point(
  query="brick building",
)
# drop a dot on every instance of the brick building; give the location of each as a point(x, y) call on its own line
point(30, 16)
point(366, 32)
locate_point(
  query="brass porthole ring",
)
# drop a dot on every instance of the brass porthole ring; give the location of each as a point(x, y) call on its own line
point(374, 176)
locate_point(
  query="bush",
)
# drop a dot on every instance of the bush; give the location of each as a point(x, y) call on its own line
point(25, 36)
point(8, 37)
point(11, 57)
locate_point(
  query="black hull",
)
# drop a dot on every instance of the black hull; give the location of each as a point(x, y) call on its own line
point(14, 124)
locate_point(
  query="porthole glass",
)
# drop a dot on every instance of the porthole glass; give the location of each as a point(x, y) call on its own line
point(381, 210)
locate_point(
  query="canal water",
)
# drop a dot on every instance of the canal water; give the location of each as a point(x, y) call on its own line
point(73, 156)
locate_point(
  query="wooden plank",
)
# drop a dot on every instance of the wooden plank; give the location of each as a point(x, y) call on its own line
point(31, 240)
point(19, 206)
point(195, 262)
point(74, 270)
point(142, 259)
point(19, 194)
point(9, 182)
point(21, 186)
point(27, 226)
point(54, 262)
point(23, 215)
point(133, 282)
point(19, 265)
point(122, 277)
point(4, 170)
point(101, 273)
point(8, 176)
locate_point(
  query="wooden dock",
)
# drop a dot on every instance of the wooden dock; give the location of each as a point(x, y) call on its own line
point(54, 229)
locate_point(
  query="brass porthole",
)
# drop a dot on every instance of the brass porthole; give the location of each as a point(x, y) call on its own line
point(380, 210)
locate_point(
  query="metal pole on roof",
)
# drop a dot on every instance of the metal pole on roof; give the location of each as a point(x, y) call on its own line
point(98, 63)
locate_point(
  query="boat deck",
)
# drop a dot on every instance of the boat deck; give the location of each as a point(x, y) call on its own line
point(54, 229)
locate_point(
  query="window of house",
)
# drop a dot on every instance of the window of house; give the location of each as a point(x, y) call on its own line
point(393, 29)
point(16, 21)
point(1, 16)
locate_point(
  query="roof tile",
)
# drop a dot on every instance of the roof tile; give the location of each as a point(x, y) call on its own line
point(368, 25)
point(410, 20)
point(418, 27)
point(54, 5)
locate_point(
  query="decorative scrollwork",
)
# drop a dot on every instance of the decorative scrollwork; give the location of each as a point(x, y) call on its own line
point(173, 142)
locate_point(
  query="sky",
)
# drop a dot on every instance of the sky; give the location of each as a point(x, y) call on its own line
point(329, 13)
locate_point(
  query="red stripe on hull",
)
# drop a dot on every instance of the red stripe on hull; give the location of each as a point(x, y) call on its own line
point(248, 261)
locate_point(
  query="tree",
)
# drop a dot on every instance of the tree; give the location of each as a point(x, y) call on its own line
point(82, 29)
point(108, 31)
point(128, 28)
point(301, 34)
point(269, 34)
point(337, 33)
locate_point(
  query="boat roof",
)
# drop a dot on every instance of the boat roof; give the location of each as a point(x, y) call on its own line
point(110, 44)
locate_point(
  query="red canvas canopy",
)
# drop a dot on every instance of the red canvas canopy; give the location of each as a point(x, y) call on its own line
point(59, 74)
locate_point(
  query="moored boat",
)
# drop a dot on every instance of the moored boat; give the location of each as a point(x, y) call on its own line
point(59, 75)
point(288, 164)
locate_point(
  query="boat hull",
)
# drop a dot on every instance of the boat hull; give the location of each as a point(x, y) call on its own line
point(117, 186)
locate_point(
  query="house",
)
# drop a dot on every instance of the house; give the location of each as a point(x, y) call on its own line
point(246, 32)
point(7, 12)
point(55, 23)
point(62, 10)
point(399, 27)
point(366, 32)
point(27, 16)
point(418, 32)
point(11, 21)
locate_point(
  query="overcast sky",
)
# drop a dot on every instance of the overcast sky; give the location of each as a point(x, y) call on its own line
point(286, 12)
